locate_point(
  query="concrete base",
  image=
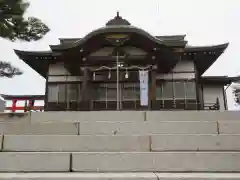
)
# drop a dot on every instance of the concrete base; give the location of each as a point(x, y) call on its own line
point(121, 145)
point(79, 176)
point(192, 115)
point(15, 117)
point(34, 162)
point(229, 127)
point(135, 116)
point(39, 128)
point(108, 143)
point(70, 116)
point(157, 162)
point(71, 143)
point(91, 116)
point(119, 176)
point(195, 143)
point(146, 128)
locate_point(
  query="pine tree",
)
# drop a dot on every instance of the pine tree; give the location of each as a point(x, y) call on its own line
point(14, 26)
point(7, 70)
point(236, 93)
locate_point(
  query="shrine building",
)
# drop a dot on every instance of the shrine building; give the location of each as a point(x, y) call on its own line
point(101, 71)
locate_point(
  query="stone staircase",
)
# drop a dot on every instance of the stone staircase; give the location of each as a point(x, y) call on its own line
point(186, 145)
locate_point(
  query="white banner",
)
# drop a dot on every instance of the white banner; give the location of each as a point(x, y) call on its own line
point(143, 77)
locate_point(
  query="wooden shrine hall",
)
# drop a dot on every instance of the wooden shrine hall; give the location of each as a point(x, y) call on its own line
point(100, 71)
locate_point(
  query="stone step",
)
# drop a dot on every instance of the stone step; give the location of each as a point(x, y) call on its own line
point(122, 128)
point(73, 143)
point(156, 162)
point(15, 117)
point(106, 143)
point(198, 176)
point(146, 128)
point(134, 116)
point(39, 128)
point(119, 176)
point(87, 116)
point(112, 128)
point(65, 116)
point(195, 143)
point(229, 127)
point(34, 162)
point(120, 162)
point(192, 115)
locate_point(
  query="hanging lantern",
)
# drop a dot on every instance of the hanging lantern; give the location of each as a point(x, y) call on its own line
point(126, 74)
point(109, 74)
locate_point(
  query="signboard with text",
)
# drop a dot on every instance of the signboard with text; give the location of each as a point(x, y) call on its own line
point(143, 77)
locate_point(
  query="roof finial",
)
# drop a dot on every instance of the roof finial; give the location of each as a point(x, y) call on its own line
point(117, 20)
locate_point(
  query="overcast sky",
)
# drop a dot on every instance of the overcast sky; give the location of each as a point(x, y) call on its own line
point(205, 22)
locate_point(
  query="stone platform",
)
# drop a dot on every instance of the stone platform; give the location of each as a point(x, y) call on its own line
point(120, 145)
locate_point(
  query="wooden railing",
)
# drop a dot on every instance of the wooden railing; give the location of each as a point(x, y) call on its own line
point(132, 105)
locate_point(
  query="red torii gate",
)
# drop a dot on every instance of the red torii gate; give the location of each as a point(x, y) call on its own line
point(27, 107)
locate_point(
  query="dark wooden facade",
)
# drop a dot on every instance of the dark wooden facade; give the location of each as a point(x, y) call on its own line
point(79, 77)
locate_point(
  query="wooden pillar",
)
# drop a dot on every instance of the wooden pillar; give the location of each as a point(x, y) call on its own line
point(46, 87)
point(200, 104)
point(85, 85)
point(152, 88)
point(85, 92)
point(25, 106)
point(31, 104)
point(14, 105)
